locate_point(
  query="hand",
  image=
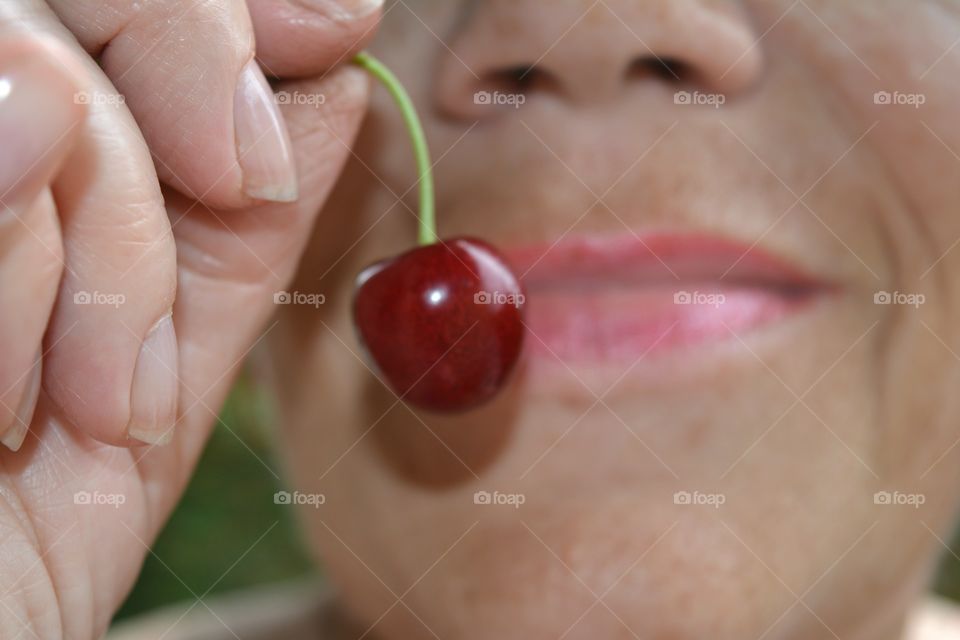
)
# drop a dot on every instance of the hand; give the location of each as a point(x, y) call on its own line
point(131, 286)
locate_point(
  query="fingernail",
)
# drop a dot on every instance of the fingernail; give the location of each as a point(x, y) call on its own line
point(342, 9)
point(14, 437)
point(153, 395)
point(263, 144)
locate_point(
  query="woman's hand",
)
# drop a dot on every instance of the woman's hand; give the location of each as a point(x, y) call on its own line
point(142, 240)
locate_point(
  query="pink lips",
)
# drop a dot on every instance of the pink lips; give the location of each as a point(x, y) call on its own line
point(618, 298)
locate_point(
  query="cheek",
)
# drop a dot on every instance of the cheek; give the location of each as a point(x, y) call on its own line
point(895, 70)
point(907, 54)
point(893, 66)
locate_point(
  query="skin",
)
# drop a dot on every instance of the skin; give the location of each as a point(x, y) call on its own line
point(799, 522)
point(107, 228)
point(797, 426)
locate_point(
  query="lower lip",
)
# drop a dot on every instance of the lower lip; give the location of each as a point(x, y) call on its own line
point(619, 299)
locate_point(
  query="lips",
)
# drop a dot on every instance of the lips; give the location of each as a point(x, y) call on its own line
point(619, 298)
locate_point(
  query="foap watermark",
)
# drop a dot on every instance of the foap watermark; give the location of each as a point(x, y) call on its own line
point(696, 498)
point(514, 500)
point(699, 98)
point(88, 498)
point(298, 298)
point(499, 99)
point(300, 98)
point(898, 499)
point(99, 298)
point(699, 298)
point(499, 298)
point(899, 99)
point(898, 297)
point(297, 498)
point(99, 98)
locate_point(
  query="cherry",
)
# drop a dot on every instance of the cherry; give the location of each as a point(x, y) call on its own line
point(444, 323)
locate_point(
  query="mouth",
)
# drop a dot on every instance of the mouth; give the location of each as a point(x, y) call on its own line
point(618, 298)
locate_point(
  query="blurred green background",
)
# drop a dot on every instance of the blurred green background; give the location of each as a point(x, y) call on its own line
point(211, 541)
point(229, 506)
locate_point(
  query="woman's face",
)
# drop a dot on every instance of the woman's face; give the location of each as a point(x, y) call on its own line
point(656, 469)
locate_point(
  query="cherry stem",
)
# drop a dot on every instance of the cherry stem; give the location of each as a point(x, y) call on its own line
point(421, 152)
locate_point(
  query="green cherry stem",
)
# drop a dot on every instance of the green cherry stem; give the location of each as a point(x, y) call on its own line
point(428, 220)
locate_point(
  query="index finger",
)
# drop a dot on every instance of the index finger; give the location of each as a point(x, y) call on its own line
point(309, 37)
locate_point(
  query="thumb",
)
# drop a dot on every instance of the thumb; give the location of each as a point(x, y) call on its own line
point(232, 263)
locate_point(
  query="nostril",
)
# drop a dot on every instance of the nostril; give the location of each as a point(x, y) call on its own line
point(655, 48)
point(520, 80)
point(667, 69)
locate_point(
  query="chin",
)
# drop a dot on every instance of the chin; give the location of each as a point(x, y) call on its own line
point(588, 573)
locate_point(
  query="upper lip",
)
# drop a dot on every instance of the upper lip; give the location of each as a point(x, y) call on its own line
point(661, 259)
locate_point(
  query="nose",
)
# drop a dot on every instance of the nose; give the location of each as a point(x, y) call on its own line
point(513, 52)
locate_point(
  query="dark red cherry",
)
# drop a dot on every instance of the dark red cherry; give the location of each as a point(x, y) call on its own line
point(443, 323)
